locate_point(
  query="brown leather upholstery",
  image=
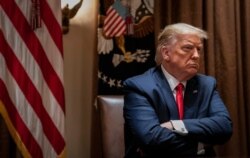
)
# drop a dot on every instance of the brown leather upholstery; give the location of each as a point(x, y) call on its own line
point(112, 122)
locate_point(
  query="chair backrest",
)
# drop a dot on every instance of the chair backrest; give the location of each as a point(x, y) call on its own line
point(112, 125)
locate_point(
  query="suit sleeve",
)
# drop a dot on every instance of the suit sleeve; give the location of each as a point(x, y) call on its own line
point(216, 126)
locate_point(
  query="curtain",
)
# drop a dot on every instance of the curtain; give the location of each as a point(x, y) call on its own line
point(226, 56)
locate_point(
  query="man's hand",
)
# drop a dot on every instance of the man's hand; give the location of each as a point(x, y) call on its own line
point(167, 125)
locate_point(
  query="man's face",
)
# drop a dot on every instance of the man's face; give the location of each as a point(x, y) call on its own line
point(182, 57)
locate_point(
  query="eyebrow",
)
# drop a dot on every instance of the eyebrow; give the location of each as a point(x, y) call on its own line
point(191, 42)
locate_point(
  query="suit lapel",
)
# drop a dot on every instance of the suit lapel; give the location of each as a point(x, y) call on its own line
point(191, 98)
point(170, 110)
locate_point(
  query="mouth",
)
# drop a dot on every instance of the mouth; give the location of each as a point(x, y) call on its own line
point(194, 65)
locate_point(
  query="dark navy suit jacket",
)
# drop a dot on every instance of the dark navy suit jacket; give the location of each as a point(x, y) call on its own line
point(149, 102)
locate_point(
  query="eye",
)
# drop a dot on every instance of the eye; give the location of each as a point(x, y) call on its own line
point(191, 48)
point(188, 48)
point(199, 49)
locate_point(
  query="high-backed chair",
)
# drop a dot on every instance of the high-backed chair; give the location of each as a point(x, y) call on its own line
point(112, 125)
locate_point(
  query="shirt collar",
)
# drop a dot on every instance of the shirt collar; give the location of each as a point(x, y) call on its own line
point(173, 82)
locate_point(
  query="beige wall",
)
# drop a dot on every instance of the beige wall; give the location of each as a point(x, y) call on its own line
point(80, 79)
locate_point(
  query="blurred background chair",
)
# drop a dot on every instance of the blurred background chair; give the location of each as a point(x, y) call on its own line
point(112, 125)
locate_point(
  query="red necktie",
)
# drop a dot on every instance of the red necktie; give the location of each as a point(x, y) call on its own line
point(179, 99)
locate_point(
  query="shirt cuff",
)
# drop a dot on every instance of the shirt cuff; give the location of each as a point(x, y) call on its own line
point(179, 127)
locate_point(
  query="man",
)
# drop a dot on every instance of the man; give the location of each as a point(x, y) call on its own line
point(159, 125)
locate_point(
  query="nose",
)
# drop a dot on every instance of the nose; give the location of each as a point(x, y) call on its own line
point(196, 53)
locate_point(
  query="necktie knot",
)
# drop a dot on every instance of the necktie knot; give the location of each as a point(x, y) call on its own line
point(179, 87)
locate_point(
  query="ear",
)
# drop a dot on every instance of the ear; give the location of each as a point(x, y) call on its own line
point(165, 53)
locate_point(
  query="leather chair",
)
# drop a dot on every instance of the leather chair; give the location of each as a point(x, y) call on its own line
point(112, 125)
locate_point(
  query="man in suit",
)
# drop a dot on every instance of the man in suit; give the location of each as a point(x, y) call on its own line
point(157, 124)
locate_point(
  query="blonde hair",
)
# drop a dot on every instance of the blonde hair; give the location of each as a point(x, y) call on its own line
point(169, 33)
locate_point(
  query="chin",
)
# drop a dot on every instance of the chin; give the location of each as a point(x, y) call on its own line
point(192, 72)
